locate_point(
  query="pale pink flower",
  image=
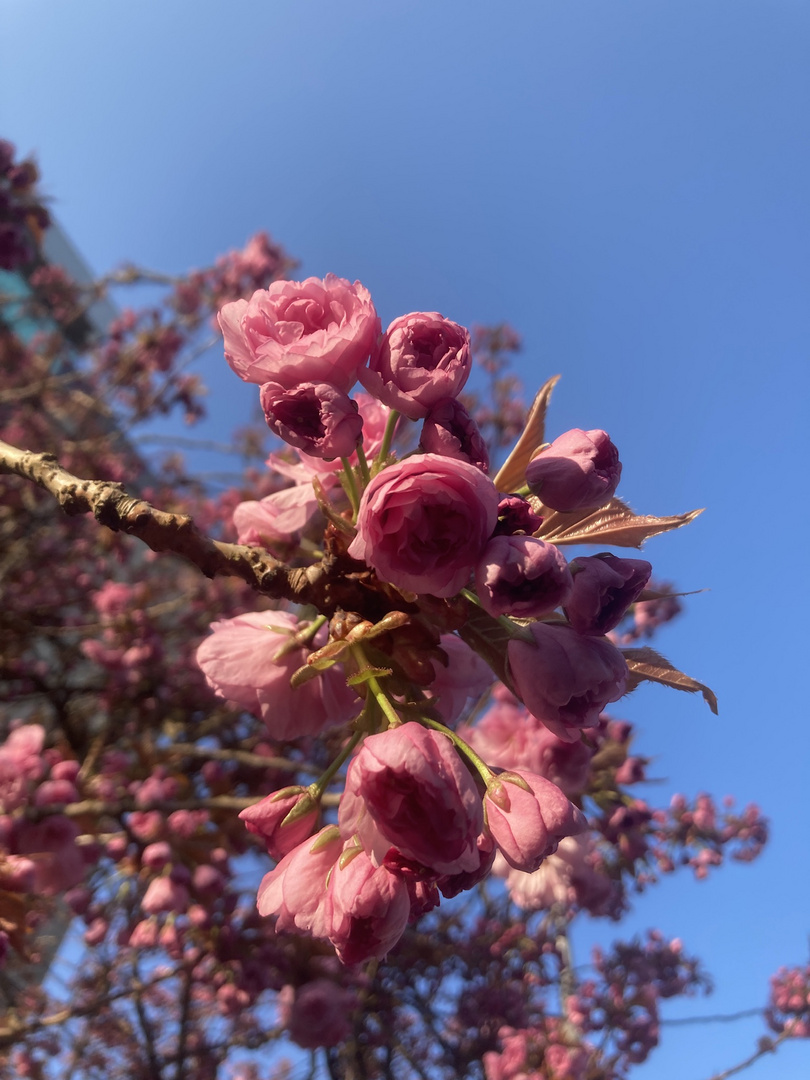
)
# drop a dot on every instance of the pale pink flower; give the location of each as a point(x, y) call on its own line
point(465, 678)
point(528, 816)
point(301, 331)
point(407, 788)
point(423, 523)
point(283, 820)
point(163, 894)
point(295, 891)
point(241, 663)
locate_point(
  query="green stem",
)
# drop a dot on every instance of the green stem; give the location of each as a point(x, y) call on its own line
point(513, 629)
point(364, 469)
point(350, 487)
point(478, 763)
point(323, 781)
point(388, 435)
point(380, 696)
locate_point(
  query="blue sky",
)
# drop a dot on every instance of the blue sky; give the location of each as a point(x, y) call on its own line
point(626, 184)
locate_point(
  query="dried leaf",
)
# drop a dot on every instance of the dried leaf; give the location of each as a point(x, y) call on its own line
point(614, 524)
point(512, 474)
point(647, 665)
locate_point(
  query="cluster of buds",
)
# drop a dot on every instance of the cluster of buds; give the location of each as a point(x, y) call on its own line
point(462, 582)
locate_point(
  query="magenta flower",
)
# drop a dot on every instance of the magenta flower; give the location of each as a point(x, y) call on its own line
point(407, 788)
point(579, 471)
point(528, 816)
point(449, 430)
point(604, 588)
point(240, 662)
point(521, 576)
point(421, 359)
point(301, 331)
point(565, 679)
point(367, 908)
point(423, 523)
point(314, 417)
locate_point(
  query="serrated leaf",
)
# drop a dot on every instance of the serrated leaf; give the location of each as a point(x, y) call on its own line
point(305, 674)
point(368, 673)
point(512, 474)
point(646, 665)
point(614, 524)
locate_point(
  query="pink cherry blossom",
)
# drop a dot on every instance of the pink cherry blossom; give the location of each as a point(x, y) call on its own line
point(528, 816)
point(241, 663)
point(301, 331)
point(407, 788)
point(566, 679)
point(580, 470)
point(421, 359)
point(367, 908)
point(295, 891)
point(423, 523)
point(284, 819)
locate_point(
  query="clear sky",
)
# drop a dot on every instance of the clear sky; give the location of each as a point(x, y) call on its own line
point(626, 183)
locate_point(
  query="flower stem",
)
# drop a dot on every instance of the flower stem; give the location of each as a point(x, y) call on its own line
point(464, 748)
point(388, 435)
point(380, 696)
point(350, 486)
point(364, 469)
point(324, 780)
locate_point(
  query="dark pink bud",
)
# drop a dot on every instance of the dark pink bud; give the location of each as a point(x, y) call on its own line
point(580, 470)
point(421, 359)
point(521, 576)
point(451, 431)
point(515, 516)
point(314, 417)
point(604, 588)
point(565, 679)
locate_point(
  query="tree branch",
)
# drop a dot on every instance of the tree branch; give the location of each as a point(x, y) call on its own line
point(325, 584)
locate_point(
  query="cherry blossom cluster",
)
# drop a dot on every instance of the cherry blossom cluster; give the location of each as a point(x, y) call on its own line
point(455, 585)
point(789, 1006)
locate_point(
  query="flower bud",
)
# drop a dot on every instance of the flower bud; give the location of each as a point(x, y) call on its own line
point(314, 417)
point(528, 816)
point(521, 576)
point(580, 470)
point(284, 819)
point(604, 588)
